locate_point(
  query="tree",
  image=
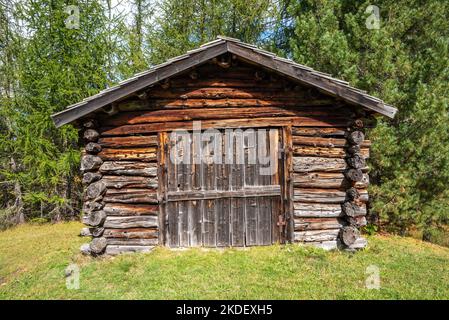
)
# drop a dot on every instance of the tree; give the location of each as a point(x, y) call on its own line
point(404, 62)
point(51, 60)
point(56, 65)
point(186, 24)
point(12, 210)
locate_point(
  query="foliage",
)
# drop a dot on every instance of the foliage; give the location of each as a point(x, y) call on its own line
point(184, 25)
point(406, 63)
point(45, 66)
point(52, 67)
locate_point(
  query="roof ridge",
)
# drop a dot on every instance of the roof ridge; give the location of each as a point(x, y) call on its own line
point(228, 38)
point(208, 50)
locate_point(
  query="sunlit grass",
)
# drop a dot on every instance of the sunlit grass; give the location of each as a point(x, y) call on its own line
point(33, 260)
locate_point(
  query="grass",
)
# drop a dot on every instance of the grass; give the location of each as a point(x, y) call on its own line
point(437, 236)
point(33, 260)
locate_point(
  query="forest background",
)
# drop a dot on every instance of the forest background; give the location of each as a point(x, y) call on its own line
point(54, 53)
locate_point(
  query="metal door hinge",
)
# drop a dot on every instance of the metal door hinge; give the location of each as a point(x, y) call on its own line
point(281, 221)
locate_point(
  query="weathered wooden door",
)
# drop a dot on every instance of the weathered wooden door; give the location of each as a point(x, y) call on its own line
point(223, 188)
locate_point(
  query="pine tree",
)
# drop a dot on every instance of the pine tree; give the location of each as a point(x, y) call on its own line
point(57, 65)
point(186, 24)
point(405, 62)
point(11, 208)
point(45, 65)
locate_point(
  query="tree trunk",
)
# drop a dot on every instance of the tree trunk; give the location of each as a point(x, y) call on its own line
point(18, 203)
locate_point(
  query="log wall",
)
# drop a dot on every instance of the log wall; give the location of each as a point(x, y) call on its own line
point(330, 185)
point(120, 200)
point(326, 176)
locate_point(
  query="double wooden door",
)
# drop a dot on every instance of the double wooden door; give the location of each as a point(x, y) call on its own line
point(222, 188)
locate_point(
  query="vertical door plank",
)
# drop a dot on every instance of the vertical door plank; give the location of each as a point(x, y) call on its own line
point(274, 154)
point(265, 213)
point(288, 184)
point(218, 203)
point(172, 208)
point(182, 184)
point(223, 207)
point(237, 177)
point(162, 186)
point(209, 205)
point(251, 205)
point(275, 212)
point(195, 212)
point(275, 142)
point(188, 172)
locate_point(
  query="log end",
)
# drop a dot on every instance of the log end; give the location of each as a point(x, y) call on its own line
point(95, 190)
point(95, 218)
point(90, 124)
point(92, 148)
point(356, 137)
point(98, 245)
point(90, 177)
point(349, 235)
point(90, 163)
point(354, 175)
point(91, 135)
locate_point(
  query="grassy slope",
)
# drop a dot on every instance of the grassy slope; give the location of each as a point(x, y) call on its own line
point(33, 260)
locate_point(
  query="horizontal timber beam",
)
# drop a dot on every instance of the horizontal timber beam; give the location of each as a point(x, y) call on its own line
point(259, 191)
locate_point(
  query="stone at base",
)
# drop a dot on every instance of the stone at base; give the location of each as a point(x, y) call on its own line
point(85, 249)
point(116, 249)
point(359, 243)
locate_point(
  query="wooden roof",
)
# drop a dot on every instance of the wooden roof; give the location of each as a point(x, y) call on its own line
point(303, 74)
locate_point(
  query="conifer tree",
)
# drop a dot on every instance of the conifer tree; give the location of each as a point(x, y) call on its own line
point(47, 63)
point(405, 62)
point(186, 24)
point(58, 64)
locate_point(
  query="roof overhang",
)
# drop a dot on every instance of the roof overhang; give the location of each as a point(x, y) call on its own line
point(249, 53)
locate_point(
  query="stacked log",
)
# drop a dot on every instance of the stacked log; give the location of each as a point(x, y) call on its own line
point(352, 208)
point(120, 203)
point(94, 190)
point(318, 167)
point(330, 185)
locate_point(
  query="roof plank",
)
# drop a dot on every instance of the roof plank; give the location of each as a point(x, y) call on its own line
point(297, 72)
point(122, 90)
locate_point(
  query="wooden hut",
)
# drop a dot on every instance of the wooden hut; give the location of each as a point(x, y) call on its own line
point(152, 177)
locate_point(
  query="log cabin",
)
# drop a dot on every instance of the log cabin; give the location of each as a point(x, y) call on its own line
point(227, 145)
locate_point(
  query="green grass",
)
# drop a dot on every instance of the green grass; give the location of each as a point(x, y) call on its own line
point(437, 236)
point(33, 260)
